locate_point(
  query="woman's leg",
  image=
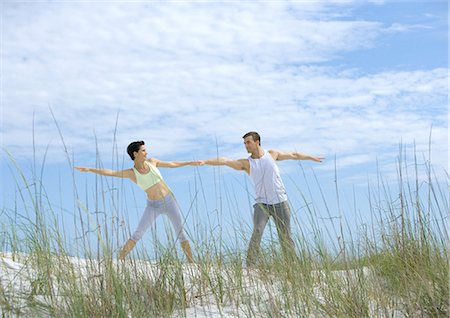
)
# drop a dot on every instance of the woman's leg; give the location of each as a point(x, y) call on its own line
point(187, 250)
point(174, 214)
point(147, 219)
point(126, 249)
point(151, 212)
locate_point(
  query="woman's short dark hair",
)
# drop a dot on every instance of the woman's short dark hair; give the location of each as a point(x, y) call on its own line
point(256, 137)
point(134, 147)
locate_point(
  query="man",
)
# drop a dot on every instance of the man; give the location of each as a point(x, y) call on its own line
point(271, 197)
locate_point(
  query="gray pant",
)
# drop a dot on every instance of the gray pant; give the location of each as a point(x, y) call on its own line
point(281, 214)
point(168, 206)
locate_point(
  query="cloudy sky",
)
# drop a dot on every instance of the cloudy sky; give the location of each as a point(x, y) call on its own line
point(348, 80)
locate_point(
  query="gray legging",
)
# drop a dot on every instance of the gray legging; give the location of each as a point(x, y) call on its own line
point(168, 206)
point(282, 216)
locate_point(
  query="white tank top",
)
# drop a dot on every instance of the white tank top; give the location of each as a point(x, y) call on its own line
point(266, 177)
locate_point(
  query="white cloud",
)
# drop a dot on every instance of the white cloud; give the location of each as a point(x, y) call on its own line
point(182, 75)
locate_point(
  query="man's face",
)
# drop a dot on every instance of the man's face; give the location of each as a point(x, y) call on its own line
point(250, 144)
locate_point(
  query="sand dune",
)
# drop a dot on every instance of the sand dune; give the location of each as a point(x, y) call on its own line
point(21, 287)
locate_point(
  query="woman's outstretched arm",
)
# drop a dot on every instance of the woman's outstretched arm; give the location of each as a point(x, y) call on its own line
point(174, 164)
point(106, 172)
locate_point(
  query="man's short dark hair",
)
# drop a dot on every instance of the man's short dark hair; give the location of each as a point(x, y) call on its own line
point(134, 147)
point(255, 136)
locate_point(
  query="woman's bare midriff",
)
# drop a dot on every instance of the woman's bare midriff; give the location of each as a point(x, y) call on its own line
point(157, 191)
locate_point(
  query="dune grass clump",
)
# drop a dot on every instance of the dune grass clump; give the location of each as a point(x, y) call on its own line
point(397, 266)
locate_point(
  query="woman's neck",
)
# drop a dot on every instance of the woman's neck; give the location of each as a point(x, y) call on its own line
point(140, 165)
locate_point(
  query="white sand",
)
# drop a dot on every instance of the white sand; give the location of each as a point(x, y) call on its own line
point(18, 280)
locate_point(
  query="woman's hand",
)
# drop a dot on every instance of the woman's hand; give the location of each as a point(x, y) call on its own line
point(83, 169)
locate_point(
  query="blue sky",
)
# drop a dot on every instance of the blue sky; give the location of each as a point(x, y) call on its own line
point(349, 80)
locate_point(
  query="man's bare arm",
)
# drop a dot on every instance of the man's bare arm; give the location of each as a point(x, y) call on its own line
point(281, 155)
point(241, 164)
point(106, 172)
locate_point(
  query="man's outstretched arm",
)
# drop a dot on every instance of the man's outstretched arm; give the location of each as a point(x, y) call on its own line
point(241, 164)
point(281, 155)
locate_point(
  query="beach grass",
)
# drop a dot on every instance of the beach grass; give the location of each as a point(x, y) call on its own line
point(398, 267)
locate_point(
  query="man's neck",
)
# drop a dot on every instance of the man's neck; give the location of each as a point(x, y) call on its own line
point(258, 154)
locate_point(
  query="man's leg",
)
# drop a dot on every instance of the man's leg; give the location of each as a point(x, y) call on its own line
point(282, 218)
point(260, 218)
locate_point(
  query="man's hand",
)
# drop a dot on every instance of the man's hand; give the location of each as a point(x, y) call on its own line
point(317, 159)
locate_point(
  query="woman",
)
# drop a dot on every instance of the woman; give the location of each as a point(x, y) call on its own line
point(160, 199)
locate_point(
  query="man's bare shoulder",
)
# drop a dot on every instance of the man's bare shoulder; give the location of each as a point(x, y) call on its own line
point(245, 162)
point(274, 153)
point(239, 164)
point(244, 165)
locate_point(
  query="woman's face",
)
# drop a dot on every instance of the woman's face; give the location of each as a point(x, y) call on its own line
point(141, 154)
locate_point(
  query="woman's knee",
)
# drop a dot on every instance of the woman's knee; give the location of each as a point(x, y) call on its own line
point(137, 235)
